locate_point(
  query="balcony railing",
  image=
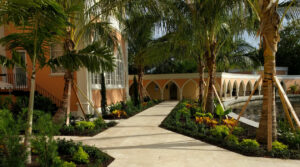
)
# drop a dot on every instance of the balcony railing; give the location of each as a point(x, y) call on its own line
point(20, 82)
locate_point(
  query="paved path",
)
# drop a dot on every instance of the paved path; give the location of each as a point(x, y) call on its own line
point(139, 142)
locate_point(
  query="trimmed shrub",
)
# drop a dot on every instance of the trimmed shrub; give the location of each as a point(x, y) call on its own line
point(232, 140)
point(220, 131)
point(69, 164)
point(249, 145)
point(238, 131)
point(81, 156)
point(85, 125)
point(279, 150)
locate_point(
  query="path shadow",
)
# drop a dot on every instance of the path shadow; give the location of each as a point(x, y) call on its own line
point(178, 145)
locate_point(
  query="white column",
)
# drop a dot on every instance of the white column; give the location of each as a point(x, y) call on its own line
point(84, 84)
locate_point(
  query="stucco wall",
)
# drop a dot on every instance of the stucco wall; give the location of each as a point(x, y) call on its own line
point(112, 96)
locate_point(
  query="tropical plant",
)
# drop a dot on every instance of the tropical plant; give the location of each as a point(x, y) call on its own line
point(41, 21)
point(85, 31)
point(221, 112)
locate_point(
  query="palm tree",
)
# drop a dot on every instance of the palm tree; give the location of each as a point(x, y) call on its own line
point(270, 22)
point(211, 25)
point(85, 29)
point(142, 48)
point(41, 21)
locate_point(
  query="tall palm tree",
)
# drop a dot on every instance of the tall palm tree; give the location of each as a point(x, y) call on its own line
point(142, 47)
point(41, 21)
point(85, 28)
point(211, 25)
point(270, 22)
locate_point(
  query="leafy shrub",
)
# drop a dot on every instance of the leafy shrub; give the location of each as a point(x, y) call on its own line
point(279, 150)
point(292, 139)
point(6, 102)
point(69, 164)
point(43, 144)
point(85, 125)
point(199, 114)
point(238, 131)
point(232, 140)
point(114, 107)
point(66, 147)
point(249, 145)
point(99, 123)
point(220, 131)
point(81, 156)
point(12, 151)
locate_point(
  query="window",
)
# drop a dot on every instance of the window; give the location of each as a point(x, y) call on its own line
point(113, 79)
point(57, 50)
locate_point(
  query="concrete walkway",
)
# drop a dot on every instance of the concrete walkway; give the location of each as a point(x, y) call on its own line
point(139, 142)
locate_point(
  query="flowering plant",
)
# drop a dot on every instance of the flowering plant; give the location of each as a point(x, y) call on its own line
point(119, 113)
point(230, 122)
point(206, 120)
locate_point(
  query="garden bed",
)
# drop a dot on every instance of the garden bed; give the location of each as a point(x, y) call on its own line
point(71, 154)
point(188, 119)
point(128, 109)
point(86, 128)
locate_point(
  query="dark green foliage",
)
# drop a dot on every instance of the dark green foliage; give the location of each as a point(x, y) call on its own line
point(12, 151)
point(6, 102)
point(43, 143)
point(232, 140)
point(238, 131)
point(103, 95)
point(288, 54)
point(135, 97)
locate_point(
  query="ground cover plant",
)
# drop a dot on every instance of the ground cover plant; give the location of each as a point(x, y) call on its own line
point(45, 150)
point(125, 110)
point(188, 118)
point(86, 128)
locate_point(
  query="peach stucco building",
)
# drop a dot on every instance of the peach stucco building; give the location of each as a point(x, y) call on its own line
point(50, 82)
point(228, 85)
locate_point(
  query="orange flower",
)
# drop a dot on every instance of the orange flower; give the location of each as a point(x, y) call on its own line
point(188, 105)
point(230, 122)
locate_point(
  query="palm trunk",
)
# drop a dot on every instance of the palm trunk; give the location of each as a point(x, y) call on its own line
point(140, 83)
point(67, 96)
point(269, 31)
point(28, 132)
point(201, 80)
point(211, 74)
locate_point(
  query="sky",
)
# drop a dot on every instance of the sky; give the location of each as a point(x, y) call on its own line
point(253, 40)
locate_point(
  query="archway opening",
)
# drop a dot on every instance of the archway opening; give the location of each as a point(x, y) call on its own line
point(229, 90)
point(248, 88)
point(258, 89)
point(224, 89)
point(235, 89)
point(190, 90)
point(242, 89)
point(171, 91)
point(154, 91)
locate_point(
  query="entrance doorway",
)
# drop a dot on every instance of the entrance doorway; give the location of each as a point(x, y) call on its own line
point(173, 92)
